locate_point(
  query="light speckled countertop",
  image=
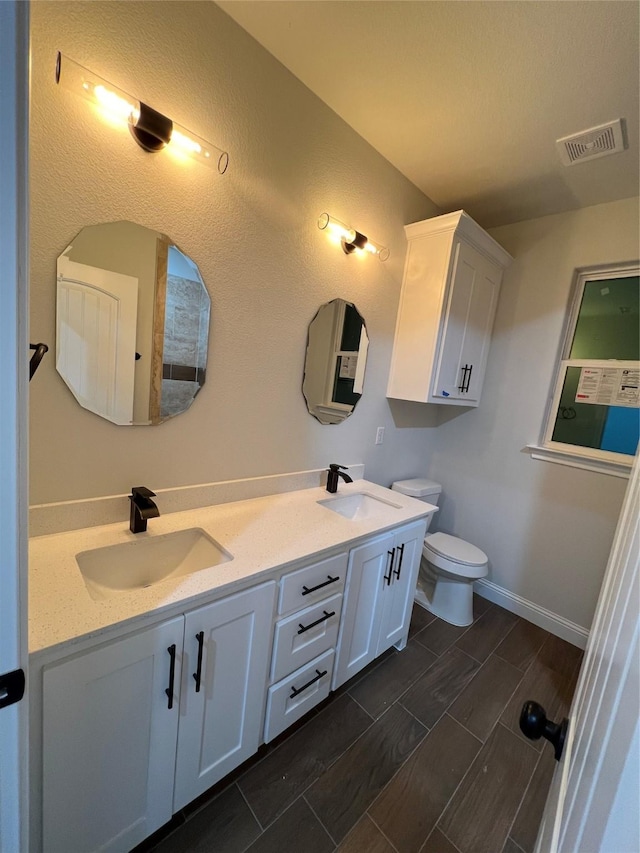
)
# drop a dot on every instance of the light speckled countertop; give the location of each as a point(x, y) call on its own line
point(263, 535)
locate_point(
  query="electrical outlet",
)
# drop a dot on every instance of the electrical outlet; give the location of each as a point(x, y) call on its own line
point(379, 435)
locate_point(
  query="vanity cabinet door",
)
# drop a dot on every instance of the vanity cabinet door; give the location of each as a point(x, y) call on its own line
point(369, 567)
point(109, 740)
point(397, 597)
point(221, 722)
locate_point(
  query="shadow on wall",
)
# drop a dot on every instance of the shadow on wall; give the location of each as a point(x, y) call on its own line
point(408, 414)
point(566, 544)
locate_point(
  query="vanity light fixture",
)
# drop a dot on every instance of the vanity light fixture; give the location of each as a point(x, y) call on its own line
point(152, 130)
point(349, 238)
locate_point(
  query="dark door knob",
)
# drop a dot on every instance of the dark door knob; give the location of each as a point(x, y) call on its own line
point(534, 725)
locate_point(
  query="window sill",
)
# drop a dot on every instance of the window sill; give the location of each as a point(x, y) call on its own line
point(573, 460)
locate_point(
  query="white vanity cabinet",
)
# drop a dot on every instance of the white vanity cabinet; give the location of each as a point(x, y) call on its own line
point(381, 584)
point(452, 278)
point(129, 730)
point(112, 718)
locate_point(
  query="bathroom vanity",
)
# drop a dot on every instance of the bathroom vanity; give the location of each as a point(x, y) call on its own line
point(148, 689)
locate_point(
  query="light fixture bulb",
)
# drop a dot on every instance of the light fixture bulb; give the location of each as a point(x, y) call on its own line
point(115, 104)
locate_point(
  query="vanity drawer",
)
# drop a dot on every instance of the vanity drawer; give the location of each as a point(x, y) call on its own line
point(305, 635)
point(291, 698)
point(312, 583)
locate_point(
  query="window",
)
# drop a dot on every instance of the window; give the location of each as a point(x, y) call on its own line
point(593, 418)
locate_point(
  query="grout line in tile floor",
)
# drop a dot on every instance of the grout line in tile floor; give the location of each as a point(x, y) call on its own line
point(317, 817)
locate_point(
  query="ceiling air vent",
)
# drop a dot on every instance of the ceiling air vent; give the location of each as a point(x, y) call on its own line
point(589, 144)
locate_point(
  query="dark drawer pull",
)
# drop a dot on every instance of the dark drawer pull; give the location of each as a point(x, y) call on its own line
point(172, 674)
point(296, 690)
point(306, 590)
point(387, 578)
point(397, 571)
point(198, 673)
point(302, 628)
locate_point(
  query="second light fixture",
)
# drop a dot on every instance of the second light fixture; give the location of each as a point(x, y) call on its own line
point(349, 238)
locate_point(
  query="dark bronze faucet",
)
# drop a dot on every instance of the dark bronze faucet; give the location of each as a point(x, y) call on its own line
point(142, 508)
point(332, 478)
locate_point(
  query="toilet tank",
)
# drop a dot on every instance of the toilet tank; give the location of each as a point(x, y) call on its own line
point(421, 489)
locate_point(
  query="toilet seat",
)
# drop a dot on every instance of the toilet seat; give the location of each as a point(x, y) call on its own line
point(455, 556)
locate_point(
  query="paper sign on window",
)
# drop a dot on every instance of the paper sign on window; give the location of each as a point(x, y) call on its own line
point(348, 366)
point(608, 386)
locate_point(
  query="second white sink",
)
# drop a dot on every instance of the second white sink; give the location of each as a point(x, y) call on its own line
point(110, 571)
point(359, 506)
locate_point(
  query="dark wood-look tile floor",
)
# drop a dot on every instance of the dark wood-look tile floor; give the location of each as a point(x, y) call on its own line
point(419, 753)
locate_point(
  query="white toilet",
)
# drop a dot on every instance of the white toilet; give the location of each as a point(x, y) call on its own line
point(449, 565)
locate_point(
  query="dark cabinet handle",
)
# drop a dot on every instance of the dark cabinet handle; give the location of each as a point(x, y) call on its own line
point(302, 628)
point(397, 571)
point(198, 673)
point(296, 690)
point(172, 674)
point(306, 590)
point(534, 725)
point(387, 578)
point(466, 378)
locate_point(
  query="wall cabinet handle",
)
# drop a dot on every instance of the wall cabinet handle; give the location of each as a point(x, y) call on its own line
point(198, 673)
point(296, 690)
point(302, 628)
point(399, 566)
point(466, 379)
point(307, 590)
point(172, 674)
point(387, 578)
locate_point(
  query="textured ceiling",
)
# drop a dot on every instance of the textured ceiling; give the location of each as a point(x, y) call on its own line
point(467, 98)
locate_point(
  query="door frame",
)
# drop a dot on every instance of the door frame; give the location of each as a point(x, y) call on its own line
point(14, 241)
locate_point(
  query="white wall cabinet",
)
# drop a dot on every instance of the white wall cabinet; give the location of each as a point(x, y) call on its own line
point(381, 584)
point(111, 772)
point(452, 278)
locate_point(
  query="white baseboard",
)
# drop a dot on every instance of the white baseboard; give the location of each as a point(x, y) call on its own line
point(552, 622)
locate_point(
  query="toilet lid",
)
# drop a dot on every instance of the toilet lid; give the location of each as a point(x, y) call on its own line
point(452, 548)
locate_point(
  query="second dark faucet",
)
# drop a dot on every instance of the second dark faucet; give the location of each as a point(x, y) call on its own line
point(336, 471)
point(142, 508)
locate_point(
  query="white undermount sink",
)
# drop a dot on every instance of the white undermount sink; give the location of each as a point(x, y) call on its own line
point(110, 571)
point(359, 506)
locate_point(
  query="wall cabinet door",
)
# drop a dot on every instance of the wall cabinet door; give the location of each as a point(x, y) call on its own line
point(221, 723)
point(109, 740)
point(466, 326)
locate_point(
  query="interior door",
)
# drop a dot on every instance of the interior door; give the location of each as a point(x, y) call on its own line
point(593, 801)
point(14, 265)
point(97, 312)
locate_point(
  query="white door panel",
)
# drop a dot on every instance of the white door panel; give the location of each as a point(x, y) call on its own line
point(96, 337)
